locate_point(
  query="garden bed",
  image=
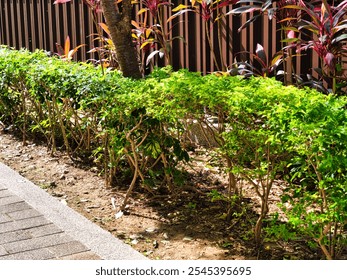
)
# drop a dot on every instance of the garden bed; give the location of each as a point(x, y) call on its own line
point(287, 144)
point(188, 226)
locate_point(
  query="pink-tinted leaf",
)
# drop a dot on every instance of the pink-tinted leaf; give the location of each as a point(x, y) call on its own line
point(61, 1)
point(342, 5)
point(329, 60)
point(250, 1)
point(291, 34)
point(261, 54)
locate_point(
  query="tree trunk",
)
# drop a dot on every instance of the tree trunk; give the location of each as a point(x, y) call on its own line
point(119, 24)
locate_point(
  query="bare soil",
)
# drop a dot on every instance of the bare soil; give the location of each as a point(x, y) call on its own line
point(186, 225)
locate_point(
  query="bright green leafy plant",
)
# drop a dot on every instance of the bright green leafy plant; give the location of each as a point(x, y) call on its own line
point(264, 133)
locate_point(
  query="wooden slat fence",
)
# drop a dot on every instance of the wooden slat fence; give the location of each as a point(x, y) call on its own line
point(39, 24)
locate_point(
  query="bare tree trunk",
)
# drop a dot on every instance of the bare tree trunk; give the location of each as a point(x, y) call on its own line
point(119, 24)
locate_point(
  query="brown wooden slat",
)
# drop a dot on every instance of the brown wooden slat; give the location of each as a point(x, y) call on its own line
point(199, 44)
point(82, 39)
point(39, 25)
point(19, 24)
point(13, 23)
point(185, 46)
point(26, 25)
point(52, 34)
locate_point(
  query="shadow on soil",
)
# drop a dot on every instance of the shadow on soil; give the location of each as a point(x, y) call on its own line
point(193, 216)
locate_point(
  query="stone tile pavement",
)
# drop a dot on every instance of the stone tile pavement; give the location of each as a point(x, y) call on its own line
point(36, 226)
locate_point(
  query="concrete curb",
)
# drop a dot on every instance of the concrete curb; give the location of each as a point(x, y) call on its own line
point(75, 225)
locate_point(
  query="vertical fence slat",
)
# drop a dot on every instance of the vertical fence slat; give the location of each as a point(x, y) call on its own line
point(198, 44)
point(19, 25)
point(82, 38)
point(50, 9)
point(32, 38)
point(2, 38)
point(26, 28)
point(13, 23)
point(185, 47)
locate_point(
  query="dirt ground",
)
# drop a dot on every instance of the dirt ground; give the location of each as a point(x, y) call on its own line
point(184, 226)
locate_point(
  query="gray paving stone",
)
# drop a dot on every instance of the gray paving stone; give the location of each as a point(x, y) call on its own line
point(18, 235)
point(39, 254)
point(14, 207)
point(81, 256)
point(24, 214)
point(37, 243)
point(43, 230)
point(60, 233)
point(3, 252)
point(9, 200)
point(23, 224)
point(5, 193)
point(12, 236)
point(66, 249)
point(4, 218)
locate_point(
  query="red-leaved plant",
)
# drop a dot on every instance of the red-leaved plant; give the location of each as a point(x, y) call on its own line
point(325, 25)
point(322, 23)
point(152, 35)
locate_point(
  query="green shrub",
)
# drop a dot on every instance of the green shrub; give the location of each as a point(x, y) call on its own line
point(264, 131)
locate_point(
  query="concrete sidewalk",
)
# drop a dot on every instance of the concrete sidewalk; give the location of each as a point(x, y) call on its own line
point(36, 226)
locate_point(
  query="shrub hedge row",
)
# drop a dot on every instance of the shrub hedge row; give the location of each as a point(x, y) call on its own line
point(261, 129)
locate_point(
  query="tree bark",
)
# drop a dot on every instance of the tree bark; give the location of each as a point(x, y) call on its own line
point(119, 24)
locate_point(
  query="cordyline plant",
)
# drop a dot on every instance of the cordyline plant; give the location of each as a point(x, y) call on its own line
point(274, 10)
point(322, 23)
point(153, 34)
point(325, 25)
